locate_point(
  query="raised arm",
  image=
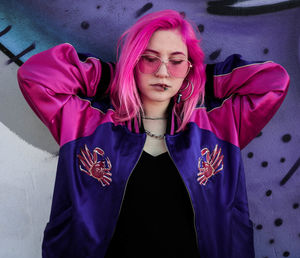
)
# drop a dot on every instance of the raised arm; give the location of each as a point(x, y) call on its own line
point(244, 96)
point(52, 82)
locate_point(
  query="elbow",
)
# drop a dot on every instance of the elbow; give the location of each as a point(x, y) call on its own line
point(283, 79)
point(286, 82)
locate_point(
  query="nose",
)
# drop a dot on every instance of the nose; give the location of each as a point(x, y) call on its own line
point(162, 71)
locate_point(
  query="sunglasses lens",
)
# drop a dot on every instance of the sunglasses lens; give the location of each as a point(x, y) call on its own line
point(176, 67)
point(148, 64)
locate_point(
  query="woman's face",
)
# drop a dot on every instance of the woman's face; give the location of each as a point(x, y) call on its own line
point(161, 86)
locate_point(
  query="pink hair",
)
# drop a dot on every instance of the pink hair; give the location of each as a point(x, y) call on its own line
point(133, 42)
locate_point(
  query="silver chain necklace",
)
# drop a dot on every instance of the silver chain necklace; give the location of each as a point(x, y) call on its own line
point(154, 118)
point(159, 136)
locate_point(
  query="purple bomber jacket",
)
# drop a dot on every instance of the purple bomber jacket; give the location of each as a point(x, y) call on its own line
point(97, 155)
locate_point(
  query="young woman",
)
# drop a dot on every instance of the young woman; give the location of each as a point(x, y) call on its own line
point(150, 162)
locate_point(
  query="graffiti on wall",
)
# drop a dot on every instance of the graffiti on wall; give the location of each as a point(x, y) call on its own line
point(248, 27)
point(249, 7)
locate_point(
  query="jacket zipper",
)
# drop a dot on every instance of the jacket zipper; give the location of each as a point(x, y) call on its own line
point(196, 235)
point(126, 189)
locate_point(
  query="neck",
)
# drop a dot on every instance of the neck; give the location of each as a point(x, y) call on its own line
point(157, 109)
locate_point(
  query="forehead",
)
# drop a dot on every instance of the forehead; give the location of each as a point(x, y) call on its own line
point(166, 42)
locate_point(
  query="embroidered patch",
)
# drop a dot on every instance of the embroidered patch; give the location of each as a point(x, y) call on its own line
point(90, 165)
point(211, 165)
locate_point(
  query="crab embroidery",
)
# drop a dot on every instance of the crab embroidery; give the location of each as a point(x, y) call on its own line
point(99, 170)
point(211, 166)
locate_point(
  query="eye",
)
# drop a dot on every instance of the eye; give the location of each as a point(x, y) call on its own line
point(176, 61)
point(150, 59)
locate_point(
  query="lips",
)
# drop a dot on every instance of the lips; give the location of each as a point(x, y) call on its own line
point(162, 85)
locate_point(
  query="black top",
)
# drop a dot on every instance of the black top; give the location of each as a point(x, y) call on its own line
point(156, 218)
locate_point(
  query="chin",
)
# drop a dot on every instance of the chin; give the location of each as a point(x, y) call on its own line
point(160, 99)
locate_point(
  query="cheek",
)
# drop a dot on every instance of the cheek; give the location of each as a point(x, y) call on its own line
point(141, 80)
point(179, 84)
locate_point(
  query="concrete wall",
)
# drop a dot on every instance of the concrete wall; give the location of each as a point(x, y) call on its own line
point(259, 30)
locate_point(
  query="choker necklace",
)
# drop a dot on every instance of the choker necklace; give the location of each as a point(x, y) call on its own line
point(154, 118)
point(160, 136)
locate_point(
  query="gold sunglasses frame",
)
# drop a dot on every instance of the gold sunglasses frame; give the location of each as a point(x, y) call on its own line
point(164, 62)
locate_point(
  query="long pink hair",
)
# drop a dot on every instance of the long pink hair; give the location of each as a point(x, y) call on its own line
point(123, 90)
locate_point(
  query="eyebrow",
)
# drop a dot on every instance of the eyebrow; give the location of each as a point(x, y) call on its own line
point(172, 54)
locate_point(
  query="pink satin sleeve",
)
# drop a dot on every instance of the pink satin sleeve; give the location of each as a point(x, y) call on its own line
point(50, 82)
point(252, 94)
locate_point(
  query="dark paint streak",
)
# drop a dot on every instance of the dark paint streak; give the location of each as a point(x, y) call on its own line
point(290, 173)
point(144, 9)
point(7, 29)
point(85, 25)
point(24, 52)
point(182, 14)
point(269, 192)
point(222, 3)
point(286, 138)
point(9, 54)
point(278, 222)
point(226, 8)
point(201, 27)
point(214, 55)
point(250, 155)
point(260, 134)
point(259, 227)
